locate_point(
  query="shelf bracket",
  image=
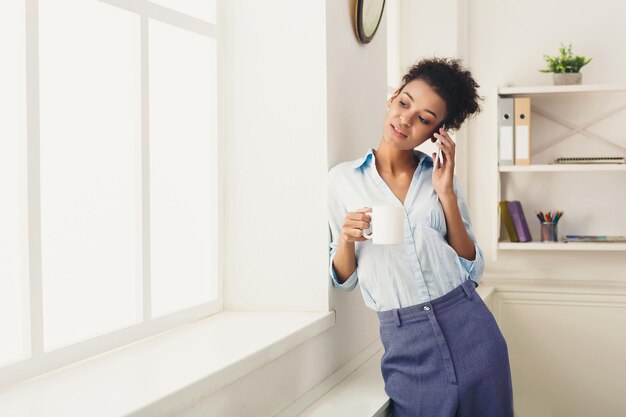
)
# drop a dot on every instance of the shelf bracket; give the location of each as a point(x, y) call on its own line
point(577, 129)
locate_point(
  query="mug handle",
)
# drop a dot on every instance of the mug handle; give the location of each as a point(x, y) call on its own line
point(365, 235)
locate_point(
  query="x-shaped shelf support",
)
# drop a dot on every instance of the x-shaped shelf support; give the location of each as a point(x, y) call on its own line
point(577, 129)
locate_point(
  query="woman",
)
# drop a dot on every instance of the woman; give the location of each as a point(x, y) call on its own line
point(444, 353)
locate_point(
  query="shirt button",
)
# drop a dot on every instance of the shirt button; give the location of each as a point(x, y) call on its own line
point(426, 308)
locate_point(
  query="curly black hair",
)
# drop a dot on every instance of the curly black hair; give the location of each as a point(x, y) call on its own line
point(453, 83)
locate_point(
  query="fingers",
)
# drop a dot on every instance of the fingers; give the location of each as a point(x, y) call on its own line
point(352, 234)
point(354, 223)
point(444, 139)
point(357, 221)
point(355, 235)
point(446, 145)
point(358, 224)
point(435, 160)
point(364, 210)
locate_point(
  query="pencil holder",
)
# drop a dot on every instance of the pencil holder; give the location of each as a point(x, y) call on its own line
point(549, 232)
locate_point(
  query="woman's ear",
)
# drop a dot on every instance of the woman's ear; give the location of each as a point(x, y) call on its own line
point(433, 138)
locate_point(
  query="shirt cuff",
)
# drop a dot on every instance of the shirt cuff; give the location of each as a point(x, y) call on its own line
point(347, 285)
point(467, 264)
point(474, 267)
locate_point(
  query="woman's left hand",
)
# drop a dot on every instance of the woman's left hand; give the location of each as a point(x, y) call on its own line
point(443, 177)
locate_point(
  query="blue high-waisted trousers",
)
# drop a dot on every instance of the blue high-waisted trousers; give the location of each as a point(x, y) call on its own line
point(446, 358)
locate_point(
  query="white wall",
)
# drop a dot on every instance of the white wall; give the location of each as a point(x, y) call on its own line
point(428, 29)
point(507, 41)
point(357, 86)
point(275, 228)
point(304, 87)
point(436, 29)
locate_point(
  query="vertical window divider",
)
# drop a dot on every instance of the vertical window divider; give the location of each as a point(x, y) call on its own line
point(33, 181)
point(145, 172)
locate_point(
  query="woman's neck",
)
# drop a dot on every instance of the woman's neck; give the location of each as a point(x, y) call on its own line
point(394, 161)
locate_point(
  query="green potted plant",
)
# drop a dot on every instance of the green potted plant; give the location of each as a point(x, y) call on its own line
point(566, 66)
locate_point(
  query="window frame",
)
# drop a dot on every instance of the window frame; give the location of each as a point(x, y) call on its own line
point(37, 361)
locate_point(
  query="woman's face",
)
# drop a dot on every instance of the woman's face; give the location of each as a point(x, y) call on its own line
point(414, 114)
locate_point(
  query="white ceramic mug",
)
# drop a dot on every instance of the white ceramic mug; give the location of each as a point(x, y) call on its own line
point(387, 225)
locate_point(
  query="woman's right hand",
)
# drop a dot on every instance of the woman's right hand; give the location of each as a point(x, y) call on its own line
point(354, 223)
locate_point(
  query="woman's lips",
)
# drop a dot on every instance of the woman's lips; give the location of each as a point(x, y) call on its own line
point(397, 133)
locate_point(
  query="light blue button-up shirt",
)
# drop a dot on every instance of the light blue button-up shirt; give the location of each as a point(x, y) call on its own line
point(421, 269)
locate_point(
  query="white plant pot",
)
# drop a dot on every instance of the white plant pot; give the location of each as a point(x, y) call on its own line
point(567, 78)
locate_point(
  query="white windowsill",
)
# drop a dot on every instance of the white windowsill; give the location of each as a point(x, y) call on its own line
point(168, 371)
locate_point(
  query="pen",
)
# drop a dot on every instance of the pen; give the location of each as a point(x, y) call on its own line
point(559, 214)
point(552, 216)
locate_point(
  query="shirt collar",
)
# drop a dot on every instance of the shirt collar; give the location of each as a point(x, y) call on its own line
point(364, 160)
point(420, 156)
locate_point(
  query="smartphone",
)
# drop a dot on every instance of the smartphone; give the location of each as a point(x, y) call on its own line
point(439, 156)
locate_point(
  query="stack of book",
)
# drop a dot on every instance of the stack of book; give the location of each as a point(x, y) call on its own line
point(514, 130)
point(515, 223)
point(588, 238)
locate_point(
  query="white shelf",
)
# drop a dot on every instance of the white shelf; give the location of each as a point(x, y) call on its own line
point(571, 246)
point(559, 89)
point(563, 168)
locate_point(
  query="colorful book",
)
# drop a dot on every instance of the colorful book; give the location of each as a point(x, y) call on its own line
point(519, 221)
point(508, 221)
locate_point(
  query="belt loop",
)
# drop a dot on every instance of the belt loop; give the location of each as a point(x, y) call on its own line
point(396, 314)
point(467, 289)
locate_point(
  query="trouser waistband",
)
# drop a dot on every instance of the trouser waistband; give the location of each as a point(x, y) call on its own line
point(420, 311)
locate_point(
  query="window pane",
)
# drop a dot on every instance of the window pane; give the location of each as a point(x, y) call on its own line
point(183, 116)
point(90, 189)
point(13, 213)
point(201, 9)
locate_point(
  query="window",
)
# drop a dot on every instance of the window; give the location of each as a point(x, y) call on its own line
point(108, 175)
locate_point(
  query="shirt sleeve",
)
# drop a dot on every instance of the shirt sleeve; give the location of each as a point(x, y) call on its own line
point(476, 267)
point(336, 214)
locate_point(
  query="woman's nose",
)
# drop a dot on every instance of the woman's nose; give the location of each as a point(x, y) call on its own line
point(405, 120)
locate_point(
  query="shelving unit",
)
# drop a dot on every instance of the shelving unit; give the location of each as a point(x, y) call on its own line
point(593, 196)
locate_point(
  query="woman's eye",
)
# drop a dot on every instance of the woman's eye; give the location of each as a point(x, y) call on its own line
point(402, 104)
point(423, 120)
